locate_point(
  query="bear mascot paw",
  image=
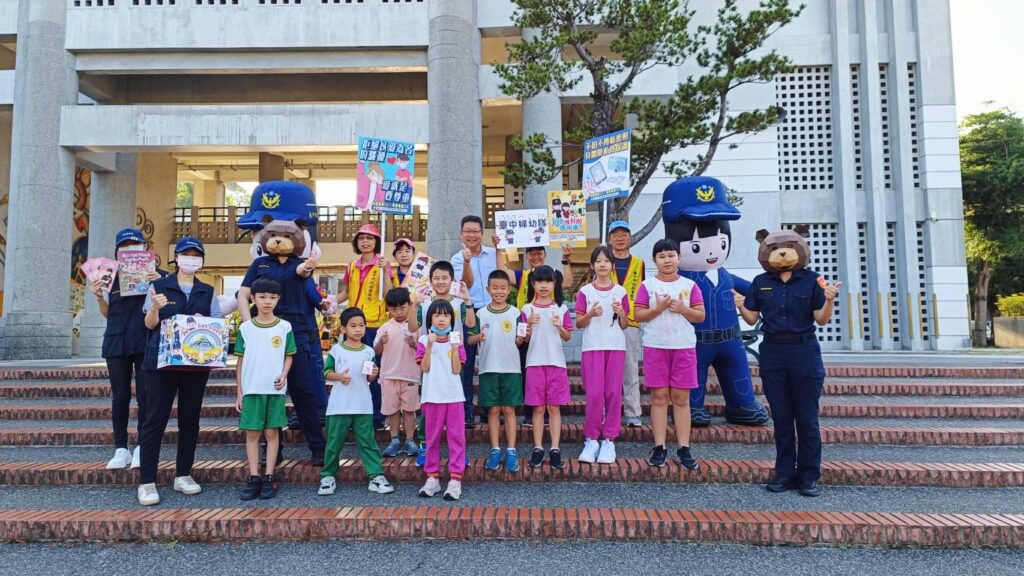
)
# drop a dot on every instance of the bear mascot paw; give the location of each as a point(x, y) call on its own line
point(696, 214)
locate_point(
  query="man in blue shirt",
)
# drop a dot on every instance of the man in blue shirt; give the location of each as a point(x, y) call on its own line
point(473, 265)
point(790, 299)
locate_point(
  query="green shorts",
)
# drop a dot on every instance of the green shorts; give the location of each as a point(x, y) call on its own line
point(263, 411)
point(498, 389)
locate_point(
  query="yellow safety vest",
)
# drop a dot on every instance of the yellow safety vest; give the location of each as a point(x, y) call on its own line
point(634, 277)
point(366, 296)
point(524, 287)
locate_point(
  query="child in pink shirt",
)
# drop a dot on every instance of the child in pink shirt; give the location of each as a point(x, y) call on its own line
point(395, 345)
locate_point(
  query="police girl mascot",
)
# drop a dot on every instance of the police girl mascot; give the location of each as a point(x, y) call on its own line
point(697, 215)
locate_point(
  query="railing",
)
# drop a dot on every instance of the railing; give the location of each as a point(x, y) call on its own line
point(219, 225)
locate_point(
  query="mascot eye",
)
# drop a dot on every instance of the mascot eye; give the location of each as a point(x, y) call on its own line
point(723, 244)
point(695, 248)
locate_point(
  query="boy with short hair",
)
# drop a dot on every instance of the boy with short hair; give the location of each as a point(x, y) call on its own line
point(501, 386)
point(441, 275)
point(350, 367)
point(395, 345)
point(264, 346)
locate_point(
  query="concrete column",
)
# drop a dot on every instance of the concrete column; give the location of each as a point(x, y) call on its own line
point(37, 289)
point(908, 269)
point(845, 179)
point(271, 167)
point(112, 207)
point(6, 119)
point(208, 193)
point(454, 165)
point(156, 188)
point(879, 289)
point(542, 114)
point(945, 260)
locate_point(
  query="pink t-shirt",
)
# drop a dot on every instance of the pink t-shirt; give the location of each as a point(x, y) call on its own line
point(603, 332)
point(546, 344)
point(397, 359)
point(440, 384)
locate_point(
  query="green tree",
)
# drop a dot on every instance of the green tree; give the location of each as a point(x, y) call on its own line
point(992, 167)
point(186, 193)
point(648, 36)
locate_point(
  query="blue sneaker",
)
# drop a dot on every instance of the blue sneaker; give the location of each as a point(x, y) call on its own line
point(511, 460)
point(421, 455)
point(493, 459)
point(392, 450)
point(411, 449)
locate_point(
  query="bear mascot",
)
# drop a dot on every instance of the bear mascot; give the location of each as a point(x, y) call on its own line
point(696, 214)
point(283, 217)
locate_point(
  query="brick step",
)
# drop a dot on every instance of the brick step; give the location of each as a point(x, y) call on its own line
point(845, 371)
point(573, 433)
point(403, 470)
point(576, 408)
point(100, 389)
point(275, 524)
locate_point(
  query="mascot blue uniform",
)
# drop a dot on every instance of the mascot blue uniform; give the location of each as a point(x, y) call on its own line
point(696, 215)
point(293, 202)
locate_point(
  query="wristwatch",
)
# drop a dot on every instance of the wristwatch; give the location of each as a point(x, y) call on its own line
point(566, 262)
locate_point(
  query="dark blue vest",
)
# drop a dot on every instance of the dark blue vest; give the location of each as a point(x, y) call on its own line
point(198, 303)
point(126, 325)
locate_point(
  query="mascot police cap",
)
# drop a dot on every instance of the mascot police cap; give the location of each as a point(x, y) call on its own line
point(280, 200)
point(697, 198)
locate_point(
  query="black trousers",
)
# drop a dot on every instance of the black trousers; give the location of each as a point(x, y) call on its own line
point(121, 369)
point(162, 387)
point(793, 377)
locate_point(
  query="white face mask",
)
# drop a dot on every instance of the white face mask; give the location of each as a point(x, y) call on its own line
point(190, 264)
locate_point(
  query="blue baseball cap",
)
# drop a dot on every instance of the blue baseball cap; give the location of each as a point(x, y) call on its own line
point(129, 235)
point(698, 198)
point(280, 200)
point(189, 242)
point(618, 225)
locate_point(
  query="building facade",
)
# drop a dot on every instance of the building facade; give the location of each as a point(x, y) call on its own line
point(146, 94)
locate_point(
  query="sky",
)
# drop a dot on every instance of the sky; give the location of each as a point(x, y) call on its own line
point(987, 42)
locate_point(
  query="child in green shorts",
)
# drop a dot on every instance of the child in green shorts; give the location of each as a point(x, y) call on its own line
point(350, 368)
point(501, 386)
point(264, 346)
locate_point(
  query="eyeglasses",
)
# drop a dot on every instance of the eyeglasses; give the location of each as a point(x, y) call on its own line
point(472, 231)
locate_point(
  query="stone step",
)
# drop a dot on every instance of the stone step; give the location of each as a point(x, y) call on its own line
point(886, 530)
point(924, 387)
point(573, 433)
point(403, 470)
point(577, 407)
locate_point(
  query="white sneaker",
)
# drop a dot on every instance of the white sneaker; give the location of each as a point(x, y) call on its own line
point(431, 488)
point(148, 496)
point(327, 486)
point(589, 453)
point(186, 485)
point(607, 453)
point(454, 491)
point(136, 458)
point(380, 485)
point(122, 459)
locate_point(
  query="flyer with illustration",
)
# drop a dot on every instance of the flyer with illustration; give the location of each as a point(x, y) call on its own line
point(100, 268)
point(567, 217)
point(135, 268)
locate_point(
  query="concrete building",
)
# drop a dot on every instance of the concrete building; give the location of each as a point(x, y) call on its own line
point(146, 94)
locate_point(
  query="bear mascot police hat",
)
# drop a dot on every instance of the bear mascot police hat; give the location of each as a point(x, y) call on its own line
point(696, 213)
point(282, 200)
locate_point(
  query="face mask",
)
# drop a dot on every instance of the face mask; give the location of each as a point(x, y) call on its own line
point(190, 264)
point(441, 332)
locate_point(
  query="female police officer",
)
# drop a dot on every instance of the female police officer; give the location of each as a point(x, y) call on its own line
point(179, 293)
point(790, 298)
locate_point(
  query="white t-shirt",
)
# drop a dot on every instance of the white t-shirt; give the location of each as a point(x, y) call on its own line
point(669, 330)
point(440, 384)
point(498, 353)
point(603, 332)
point(263, 348)
point(354, 397)
point(546, 344)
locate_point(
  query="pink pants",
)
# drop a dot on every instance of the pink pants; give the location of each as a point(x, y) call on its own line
point(453, 418)
point(602, 381)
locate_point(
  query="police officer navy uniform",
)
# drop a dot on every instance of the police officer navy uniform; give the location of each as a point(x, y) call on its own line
point(790, 299)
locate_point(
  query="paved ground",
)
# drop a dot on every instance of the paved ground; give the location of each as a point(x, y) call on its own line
point(496, 559)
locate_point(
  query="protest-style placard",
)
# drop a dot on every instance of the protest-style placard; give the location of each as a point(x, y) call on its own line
point(384, 174)
point(567, 217)
point(606, 166)
point(521, 228)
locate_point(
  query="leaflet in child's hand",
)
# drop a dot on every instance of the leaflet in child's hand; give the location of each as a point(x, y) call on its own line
point(135, 268)
point(368, 367)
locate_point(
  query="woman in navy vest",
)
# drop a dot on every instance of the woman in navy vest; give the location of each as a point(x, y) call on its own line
point(179, 293)
point(124, 346)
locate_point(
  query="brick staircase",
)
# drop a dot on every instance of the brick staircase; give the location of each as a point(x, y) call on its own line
point(947, 436)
